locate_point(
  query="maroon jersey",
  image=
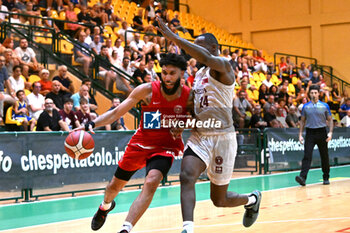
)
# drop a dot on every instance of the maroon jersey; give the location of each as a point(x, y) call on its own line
point(159, 137)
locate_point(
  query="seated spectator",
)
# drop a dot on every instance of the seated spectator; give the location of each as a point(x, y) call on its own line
point(281, 118)
point(105, 72)
point(267, 81)
point(292, 118)
point(344, 108)
point(36, 101)
point(88, 38)
point(96, 44)
point(257, 121)
point(119, 49)
point(150, 12)
point(147, 78)
point(301, 95)
point(109, 46)
point(56, 95)
point(5, 82)
point(17, 83)
point(283, 93)
point(98, 15)
point(84, 16)
point(10, 61)
point(137, 21)
point(269, 103)
point(315, 79)
point(176, 23)
point(81, 54)
point(137, 44)
point(262, 65)
point(304, 74)
point(274, 91)
point(263, 94)
point(290, 66)
point(282, 67)
point(73, 17)
point(174, 48)
point(68, 115)
point(240, 106)
point(3, 8)
point(66, 84)
point(20, 111)
point(83, 93)
point(109, 10)
point(303, 101)
point(91, 99)
point(46, 84)
point(114, 59)
point(27, 58)
point(50, 119)
point(151, 47)
point(83, 114)
point(191, 71)
point(345, 121)
point(270, 118)
point(129, 35)
point(149, 69)
point(140, 73)
point(29, 10)
point(122, 83)
point(244, 72)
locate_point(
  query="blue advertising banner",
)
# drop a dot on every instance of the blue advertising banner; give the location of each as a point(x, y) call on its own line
point(286, 152)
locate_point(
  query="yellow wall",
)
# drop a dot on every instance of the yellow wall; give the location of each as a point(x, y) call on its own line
point(316, 28)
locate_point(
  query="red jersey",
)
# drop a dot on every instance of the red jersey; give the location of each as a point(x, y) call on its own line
point(159, 107)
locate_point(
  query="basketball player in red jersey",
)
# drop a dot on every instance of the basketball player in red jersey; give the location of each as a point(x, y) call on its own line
point(153, 148)
point(215, 149)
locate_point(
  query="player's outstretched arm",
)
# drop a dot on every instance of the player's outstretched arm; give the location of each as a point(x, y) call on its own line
point(201, 54)
point(139, 93)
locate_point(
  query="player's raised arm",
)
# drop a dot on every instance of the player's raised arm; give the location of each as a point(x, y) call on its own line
point(200, 50)
point(139, 93)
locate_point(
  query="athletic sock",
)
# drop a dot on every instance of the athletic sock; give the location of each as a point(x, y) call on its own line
point(105, 206)
point(188, 226)
point(251, 200)
point(126, 226)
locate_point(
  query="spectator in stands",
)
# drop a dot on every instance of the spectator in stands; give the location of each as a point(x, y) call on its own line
point(301, 95)
point(122, 83)
point(68, 115)
point(99, 15)
point(176, 23)
point(3, 8)
point(17, 83)
point(105, 72)
point(140, 72)
point(304, 74)
point(290, 66)
point(66, 84)
point(257, 121)
point(91, 98)
point(174, 48)
point(303, 101)
point(150, 70)
point(10, 61)
point(150, 12)
point(274, 91)
point(88, 39)
point(27, 58)
point(269, 103)
point(109, 46)
point(5, 82)
point(83, 93)
point(191, 71)
point(315, 79)
point(20, 111)
point(240, 106)
point(267, 81)
point(84, 16)
point(282, 67)
point(244, 72)
point(335, 93)
point(263, 94)
point(270, 118)
point(112, 18)
point(83, 114)
point(81, 54)
point(283, 93)
point(137, 44)
point(292, 118)
point(344, 108)
point(50, 119)
point(73, 17)
point(137, 21)
point(226, 54)
point(151, 47)
point(129, 35)
point(46, 84)
point(135, 61)
point(32, 12)
point(56, 95)
point(119, 49)
point(147, 78)
point(234, 63)
point(36, 101)
point(281, 118)
point(345, 121)
point(114, 59)
point(96, 44)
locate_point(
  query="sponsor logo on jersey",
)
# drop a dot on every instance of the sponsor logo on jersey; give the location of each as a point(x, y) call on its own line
point(178, 109)
point(151, 120)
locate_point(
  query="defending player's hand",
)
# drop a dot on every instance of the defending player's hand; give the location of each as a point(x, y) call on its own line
point(165, 30)
point(87, 127)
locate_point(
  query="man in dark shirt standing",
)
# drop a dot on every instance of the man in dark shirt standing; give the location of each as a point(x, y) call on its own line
point(50, 119)
point(314, 117)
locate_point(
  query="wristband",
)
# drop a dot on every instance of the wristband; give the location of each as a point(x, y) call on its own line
point(87, 125)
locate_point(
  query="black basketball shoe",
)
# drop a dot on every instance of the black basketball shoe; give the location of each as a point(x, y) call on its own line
point(100, 217)
point(252, 211)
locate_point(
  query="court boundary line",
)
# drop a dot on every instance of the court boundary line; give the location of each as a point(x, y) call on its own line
point(46, 224)
point(162, 187)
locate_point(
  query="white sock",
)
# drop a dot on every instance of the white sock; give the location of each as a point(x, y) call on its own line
point(188, 226)
point(126, 226)
point(106, 206)
point(251, 200)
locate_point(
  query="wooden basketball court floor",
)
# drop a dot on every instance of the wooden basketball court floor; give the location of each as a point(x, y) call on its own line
point(285, 207)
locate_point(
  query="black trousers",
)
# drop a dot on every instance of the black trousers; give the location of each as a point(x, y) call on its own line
point(315, 137)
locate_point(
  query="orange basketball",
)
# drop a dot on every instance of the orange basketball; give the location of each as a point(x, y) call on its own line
point(79, 144)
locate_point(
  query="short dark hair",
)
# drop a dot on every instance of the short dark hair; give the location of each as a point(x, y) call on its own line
point(19, 91)
point(83, 101)
point(86, 80)
point(314, 87)
point(66, 100)
point(16, 66)
point(210, 39)
point(173, 59)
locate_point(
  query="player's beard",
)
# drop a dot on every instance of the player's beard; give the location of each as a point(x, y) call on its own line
point(172, 90)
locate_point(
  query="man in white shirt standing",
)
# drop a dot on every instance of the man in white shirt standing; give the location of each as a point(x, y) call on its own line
point(36, 101)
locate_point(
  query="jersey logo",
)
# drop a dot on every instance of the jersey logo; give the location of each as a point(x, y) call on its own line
point(178, 109)
point(151, 120)
point(205, 80)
